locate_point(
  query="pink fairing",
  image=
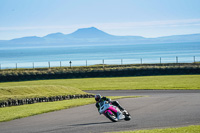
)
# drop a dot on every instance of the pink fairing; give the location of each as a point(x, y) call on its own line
point(110, 109)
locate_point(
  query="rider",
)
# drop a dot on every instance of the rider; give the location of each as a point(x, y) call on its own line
point(98, 99)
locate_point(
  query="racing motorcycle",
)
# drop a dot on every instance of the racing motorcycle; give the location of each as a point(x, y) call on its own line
point(112, 112)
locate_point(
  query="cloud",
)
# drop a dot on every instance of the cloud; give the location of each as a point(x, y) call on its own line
point(122, 25)
point(151, 24)
point(33, 28)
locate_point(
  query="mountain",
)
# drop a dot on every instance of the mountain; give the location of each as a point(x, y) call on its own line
point(180, 38)
point(91, 32)
point(55, 36)
point(94, 36)
point(30, 39)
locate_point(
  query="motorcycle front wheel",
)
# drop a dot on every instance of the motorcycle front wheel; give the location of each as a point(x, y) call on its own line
point(112, 117)
point(127, 116)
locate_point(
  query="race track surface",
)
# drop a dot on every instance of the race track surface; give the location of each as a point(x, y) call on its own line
point(160, 109)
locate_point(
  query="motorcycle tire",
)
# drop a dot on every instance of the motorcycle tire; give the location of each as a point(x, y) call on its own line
point(112, 117)
point(127, 116)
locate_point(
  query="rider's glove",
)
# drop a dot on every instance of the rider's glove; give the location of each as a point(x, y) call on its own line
point(109, 100)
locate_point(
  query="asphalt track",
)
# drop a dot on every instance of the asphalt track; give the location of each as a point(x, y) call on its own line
point(166, 108)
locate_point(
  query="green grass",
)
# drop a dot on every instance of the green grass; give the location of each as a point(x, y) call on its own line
point(32, 91)
point(16, 112)
point(188, 129)
point(119, 83)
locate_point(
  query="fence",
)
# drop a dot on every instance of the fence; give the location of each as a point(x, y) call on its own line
point(15, 102)
point(86, 63)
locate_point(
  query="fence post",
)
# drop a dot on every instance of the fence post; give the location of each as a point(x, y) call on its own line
point(176, 59)
point(49, 64)
point(60, 64)
point(160, 60)
point(121, 61)
point(70, 63)
point(194, 59)
point(141, 60)
point(86, 63)
point(33, 65)
point(103, 63)
point(16, 65)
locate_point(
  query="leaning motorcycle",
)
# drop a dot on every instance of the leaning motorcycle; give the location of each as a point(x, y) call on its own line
point(112, 112)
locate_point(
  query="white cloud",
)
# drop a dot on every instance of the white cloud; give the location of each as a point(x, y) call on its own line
point(122, 25)
point(146, 29)
point(167, 23)
point(33, 28)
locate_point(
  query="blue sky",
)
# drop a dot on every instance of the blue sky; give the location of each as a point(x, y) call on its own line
point(147, 18)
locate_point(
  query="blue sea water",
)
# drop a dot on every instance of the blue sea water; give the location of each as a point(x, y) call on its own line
point(27, 57)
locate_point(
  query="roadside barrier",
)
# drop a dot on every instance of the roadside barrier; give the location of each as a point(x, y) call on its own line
point(12, 102)
point(118, 72)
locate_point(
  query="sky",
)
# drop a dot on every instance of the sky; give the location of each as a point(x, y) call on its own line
point(147, 18)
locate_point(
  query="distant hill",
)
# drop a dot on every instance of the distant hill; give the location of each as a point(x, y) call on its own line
point(31, 39)
point(180, 38)
point(94, 36)
point(91, 32)
point(55, 36)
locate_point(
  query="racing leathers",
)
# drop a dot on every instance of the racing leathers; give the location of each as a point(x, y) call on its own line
point(115, 103)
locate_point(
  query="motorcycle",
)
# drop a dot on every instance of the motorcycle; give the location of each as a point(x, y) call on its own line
point(112, 112)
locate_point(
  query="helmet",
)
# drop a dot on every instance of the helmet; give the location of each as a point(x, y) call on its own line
point(97, 97)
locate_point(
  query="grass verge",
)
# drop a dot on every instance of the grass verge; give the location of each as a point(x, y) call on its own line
point(33, 91)
point(16, 112)
point(119, 83)
point(188, 129)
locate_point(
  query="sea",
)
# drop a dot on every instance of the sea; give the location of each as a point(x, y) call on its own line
point(86, 55)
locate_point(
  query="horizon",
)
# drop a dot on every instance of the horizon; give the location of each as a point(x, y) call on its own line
point(149, 19)
point(97, 29)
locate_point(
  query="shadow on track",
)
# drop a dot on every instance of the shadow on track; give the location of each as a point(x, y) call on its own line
point(86, 124)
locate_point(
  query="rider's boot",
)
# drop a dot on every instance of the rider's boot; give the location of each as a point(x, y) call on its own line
point(116, 103)
point(122, 109)
point(119, 106)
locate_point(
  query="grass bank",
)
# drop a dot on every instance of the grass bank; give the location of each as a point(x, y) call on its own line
point(33, 91)
point(188, 129)
point(118, 83)
point(102, 70)
point(16, 112)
